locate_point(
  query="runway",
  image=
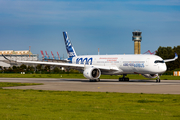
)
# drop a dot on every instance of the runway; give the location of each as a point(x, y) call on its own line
point(133, 86)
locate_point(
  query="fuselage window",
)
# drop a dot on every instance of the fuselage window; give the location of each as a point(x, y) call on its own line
point(159, 61)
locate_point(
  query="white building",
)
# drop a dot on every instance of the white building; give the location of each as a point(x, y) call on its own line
point(17, 55)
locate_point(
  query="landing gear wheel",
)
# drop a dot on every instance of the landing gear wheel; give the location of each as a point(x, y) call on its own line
point(91, 80)
point(94, 80)
point(124, 78)
point(98, 80)
point(158, 80)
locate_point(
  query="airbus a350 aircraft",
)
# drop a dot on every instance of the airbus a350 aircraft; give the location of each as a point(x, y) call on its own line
point(92, 66)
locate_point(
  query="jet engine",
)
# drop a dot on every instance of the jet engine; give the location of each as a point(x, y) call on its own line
point(150, 75)
point(92, 73)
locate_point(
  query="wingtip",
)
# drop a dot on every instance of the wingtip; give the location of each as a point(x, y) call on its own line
point(5, 57)
point(2, 55)
point(176, 55)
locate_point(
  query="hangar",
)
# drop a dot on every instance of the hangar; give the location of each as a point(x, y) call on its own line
point(17, 55)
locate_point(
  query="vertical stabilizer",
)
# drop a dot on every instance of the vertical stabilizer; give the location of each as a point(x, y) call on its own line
point(70, 50)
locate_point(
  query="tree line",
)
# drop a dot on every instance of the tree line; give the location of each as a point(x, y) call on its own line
point(169, 53)
point(39, 69)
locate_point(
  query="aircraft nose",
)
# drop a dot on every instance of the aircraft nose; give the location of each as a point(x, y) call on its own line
point(163, 68)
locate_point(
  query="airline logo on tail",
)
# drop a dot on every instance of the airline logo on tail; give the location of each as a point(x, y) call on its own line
point(70, 50)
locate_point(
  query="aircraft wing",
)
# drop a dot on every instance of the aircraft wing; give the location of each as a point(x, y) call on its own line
point(66, 65)
point(80, 66)
point(51, 63)
point(169, 60)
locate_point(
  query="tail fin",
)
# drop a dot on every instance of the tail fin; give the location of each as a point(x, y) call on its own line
point(70, 50)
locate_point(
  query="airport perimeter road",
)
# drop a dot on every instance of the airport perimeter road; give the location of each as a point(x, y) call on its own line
point(133, 86)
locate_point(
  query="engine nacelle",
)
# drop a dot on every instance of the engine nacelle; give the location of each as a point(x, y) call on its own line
point(150, 75)
point(92, 73)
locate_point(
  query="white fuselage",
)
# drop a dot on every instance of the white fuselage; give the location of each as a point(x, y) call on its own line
point(126, 64)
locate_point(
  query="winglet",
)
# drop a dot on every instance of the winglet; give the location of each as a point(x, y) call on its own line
point(169, 60)
point(176, 56)
point(5, 57)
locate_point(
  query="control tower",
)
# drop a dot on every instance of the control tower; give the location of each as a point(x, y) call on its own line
point(137, 41)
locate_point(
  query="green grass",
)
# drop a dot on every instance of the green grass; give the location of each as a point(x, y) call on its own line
point(66, 105)
point(8, 84)
point(131, 76)
point(41, 76)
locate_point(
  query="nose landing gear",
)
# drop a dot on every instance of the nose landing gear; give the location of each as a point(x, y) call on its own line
point(158, 79)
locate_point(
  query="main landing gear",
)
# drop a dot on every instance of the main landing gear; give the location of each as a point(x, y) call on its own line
point(94, 80)
point(124, 78)
point(158, 79)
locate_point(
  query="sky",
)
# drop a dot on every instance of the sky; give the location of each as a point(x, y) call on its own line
point(91, 24)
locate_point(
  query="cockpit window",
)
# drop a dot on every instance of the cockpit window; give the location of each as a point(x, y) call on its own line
point(159, 61)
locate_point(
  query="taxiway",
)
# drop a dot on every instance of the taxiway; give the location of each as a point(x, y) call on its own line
point(133, 86)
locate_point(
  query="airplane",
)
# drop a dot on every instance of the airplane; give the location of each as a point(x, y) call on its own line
point(93, 66)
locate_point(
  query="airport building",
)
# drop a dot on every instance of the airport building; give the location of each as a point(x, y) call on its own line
point(24, 55)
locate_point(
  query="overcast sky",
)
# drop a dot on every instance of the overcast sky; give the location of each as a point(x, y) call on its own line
point(91, 24)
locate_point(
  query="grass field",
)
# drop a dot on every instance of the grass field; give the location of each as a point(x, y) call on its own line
point(131, 76)
point(8, 84)
point(67, 105)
